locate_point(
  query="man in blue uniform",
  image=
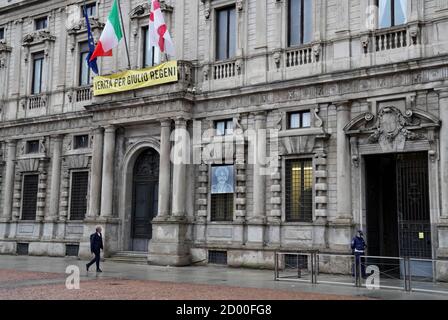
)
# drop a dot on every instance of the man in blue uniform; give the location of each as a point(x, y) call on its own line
point(358, 246)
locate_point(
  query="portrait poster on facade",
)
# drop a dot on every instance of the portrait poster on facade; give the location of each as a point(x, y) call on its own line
point(222, 179)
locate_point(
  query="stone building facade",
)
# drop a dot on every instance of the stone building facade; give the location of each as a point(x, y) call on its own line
point(354, 98)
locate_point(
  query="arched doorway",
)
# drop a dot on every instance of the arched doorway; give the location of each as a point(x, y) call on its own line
point(145, 191)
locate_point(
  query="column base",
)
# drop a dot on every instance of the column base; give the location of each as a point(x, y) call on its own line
point(168, 245)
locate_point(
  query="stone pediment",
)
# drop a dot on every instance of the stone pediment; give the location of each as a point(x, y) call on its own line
point(391, 128)
point(81, 25)
point(143, 9)
point(37, 37)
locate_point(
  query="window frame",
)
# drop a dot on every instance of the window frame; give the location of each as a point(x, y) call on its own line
point(39, 55)
point(2, 33)
point(26, 174)
point(228, 55)
point(302, 32)
point(300, 113)
point(83, 64)
point(89, 5)
point(75, 146)
point(145, 37)
point(226, 122)
point(231, 217)
point(285, 216)
point(392, 15)
point(74, 171)
point(27, 146)
point(38, 20)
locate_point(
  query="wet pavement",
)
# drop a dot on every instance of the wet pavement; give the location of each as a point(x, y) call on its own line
point(44, 278)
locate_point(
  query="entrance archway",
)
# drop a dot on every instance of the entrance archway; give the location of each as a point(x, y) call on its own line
point(144, 198)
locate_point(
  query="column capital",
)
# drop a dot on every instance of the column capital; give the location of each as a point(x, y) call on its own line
point(442, 92)
point(165, 122)
point(343, 105)
point(57, 137)
point(97, 130)
point(110, 128)
point(11, 142)
point(180, 122)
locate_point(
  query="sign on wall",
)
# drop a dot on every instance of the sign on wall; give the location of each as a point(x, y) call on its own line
point(222, 179)
point(136, 79)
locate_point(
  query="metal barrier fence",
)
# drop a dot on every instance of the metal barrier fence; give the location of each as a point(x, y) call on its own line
point(372, 272)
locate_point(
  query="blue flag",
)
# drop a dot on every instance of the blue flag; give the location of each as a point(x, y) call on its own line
point(92, 64)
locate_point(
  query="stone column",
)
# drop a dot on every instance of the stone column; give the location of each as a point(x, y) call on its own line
point(55, 178)
point(9, 180)
point(107, 186)
point(96, 173)
point(259, 177)
point(180, 158)
point(165, 169)
point(443, 107)
point(344, 194)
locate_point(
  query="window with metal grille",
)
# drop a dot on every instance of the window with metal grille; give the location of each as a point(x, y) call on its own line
point(72, 250)
point(22, 249)
point(32, 146)
point(78, 198)
point(297, 120)
point(294, 261)
point(29, 196)
point(81, 141)
point(217, 257)
point(41, 23)
point(222, 207)
point(300, 24)
point(299, 190)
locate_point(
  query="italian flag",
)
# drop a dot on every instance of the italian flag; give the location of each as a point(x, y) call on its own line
point(111, 35)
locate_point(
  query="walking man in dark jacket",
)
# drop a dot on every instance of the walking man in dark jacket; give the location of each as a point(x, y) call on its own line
point(358, 246)
point(96, 244)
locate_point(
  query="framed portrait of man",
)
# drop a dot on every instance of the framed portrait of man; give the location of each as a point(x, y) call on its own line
point(222, 179)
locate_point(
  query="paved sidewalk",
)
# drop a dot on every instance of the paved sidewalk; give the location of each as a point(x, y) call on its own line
point(209, 276)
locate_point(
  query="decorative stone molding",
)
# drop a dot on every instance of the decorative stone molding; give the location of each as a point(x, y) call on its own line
point(317, 50)
point(37, 37)
point(144, 9)
point(365, 41)
point(277, 56)
point(239, 5)
point(207, 9)
point(81, 25)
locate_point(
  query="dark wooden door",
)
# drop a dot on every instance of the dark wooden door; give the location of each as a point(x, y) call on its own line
point(145, 198)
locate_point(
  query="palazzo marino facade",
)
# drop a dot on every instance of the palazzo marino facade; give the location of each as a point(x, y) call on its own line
point(348, 100)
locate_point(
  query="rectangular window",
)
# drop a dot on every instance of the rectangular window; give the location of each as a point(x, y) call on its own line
point(2, 33)
point(38, 63)
point(32, 146)
point(224, 127)
point(297, 120)
point(81, 141)
point(300, 22)
point(84, 69)
point(29, 196)
point(41, 23)
point(391, 13)
point(222, 193)
point(225, 33)
point(151, 54)
point(78, 197)
point(299, 190)
point(90, 9)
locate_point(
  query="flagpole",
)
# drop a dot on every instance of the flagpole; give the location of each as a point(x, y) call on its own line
point(124, 35)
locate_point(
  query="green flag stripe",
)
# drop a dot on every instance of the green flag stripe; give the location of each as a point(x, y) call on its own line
point(114, 18)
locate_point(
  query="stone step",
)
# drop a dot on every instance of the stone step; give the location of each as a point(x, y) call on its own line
point(129, 257)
